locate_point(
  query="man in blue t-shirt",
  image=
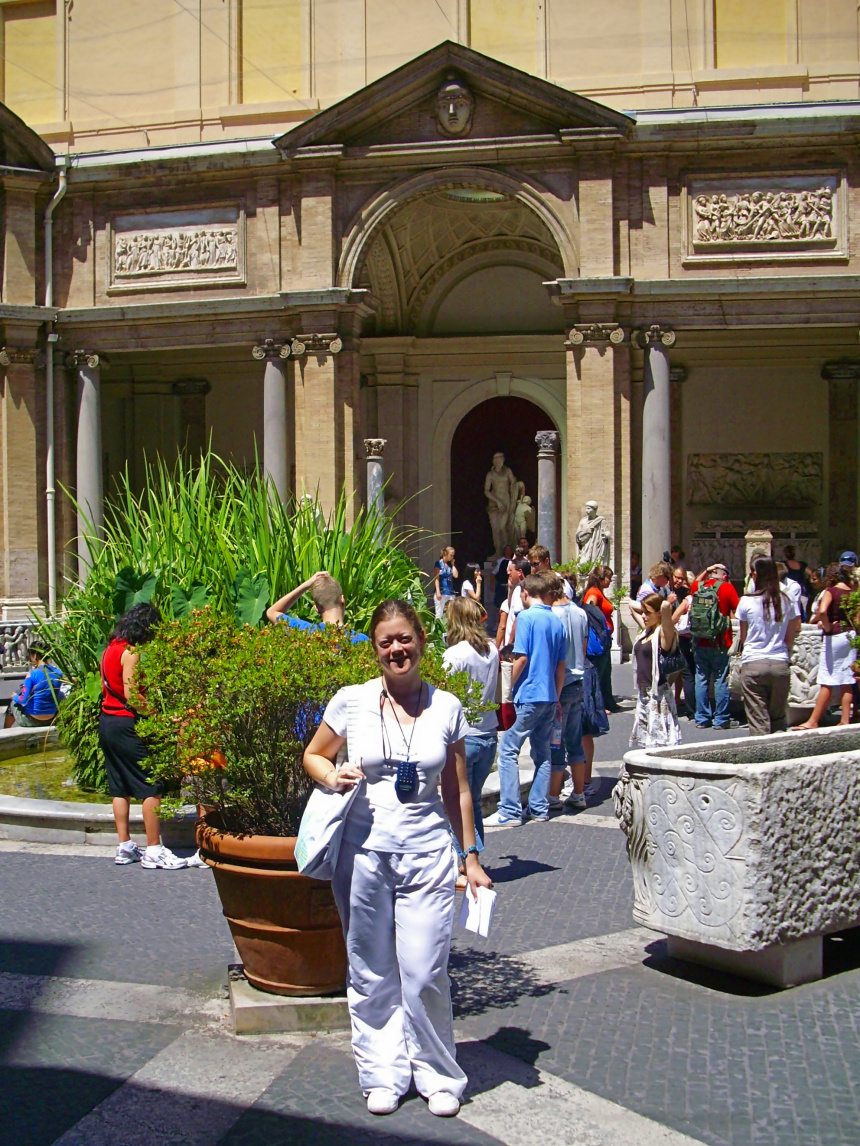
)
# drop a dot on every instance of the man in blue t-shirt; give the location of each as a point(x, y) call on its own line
point(327, 597)
point(540, 647)
point(36, 703)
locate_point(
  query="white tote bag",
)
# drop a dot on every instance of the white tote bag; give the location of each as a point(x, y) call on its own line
point(321, 829)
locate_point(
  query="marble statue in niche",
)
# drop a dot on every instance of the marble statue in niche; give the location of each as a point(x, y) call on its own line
point(501, 489)
point(592, 537)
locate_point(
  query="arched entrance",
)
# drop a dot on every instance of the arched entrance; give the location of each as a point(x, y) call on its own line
point(508, 424)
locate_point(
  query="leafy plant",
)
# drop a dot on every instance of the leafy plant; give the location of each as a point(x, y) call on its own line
point(205, 533)
point(232, 709)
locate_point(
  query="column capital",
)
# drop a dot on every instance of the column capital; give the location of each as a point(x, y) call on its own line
point(595, 334)
point(547, 441)
point(374, 447)
point(330, 343)
point(843, 370)
point(268, 348)
point(650, 335)
point(75, 359)
point(21, 356)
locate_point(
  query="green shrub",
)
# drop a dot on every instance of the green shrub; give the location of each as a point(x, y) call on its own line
point(257, 696)
point(206, 533)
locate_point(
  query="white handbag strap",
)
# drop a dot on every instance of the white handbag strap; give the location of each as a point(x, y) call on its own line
point(352, 710)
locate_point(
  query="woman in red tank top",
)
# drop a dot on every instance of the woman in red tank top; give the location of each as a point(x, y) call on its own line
point(124, 751)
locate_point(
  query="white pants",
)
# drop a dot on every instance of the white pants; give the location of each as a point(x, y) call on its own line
point(397, 911)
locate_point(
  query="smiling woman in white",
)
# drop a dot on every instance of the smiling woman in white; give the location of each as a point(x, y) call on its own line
point(394, 880)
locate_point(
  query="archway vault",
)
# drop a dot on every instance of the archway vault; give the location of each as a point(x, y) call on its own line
point(417, 234)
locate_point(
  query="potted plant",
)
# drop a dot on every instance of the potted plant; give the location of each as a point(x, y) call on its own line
point(231, 710)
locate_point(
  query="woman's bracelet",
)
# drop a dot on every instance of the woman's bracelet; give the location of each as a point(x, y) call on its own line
point(325, 780)
point(472, 849)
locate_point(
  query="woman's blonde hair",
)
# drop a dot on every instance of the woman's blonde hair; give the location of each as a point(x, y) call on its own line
point(465, 619)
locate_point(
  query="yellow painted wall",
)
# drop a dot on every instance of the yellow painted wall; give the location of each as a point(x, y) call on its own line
point(750, 32)
point(506, 29)
point(271, 50)
point(30, 53)
point(398, 33)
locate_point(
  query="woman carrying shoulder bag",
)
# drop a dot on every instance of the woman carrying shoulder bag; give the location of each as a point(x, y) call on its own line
point(835, 674)
point(395, 873)
point(656, 657)
point(768, 622)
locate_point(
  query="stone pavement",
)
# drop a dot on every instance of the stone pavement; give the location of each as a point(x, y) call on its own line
point(572, 1023)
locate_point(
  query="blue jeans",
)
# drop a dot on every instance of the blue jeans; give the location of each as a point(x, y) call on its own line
point(712, 663)
point(480, 754)
point(570, 751)
point(534, 721)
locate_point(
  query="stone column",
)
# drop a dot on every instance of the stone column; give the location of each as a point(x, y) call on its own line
point(656, 446)
point(547, 510)
point(326, 391)
point(89, 492)
point(275, 454)
point(374, 449)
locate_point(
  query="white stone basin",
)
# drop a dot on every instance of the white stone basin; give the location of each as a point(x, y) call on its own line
point(746, 852)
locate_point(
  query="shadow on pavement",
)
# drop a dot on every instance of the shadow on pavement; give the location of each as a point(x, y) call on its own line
point(484, 980)
point(517, 869)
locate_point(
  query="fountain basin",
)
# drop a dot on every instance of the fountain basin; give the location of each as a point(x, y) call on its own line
point(746, 852)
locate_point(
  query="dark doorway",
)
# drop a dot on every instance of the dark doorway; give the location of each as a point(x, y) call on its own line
point(507, 424)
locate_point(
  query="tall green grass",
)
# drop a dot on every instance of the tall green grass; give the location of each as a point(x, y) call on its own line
point(204, 532)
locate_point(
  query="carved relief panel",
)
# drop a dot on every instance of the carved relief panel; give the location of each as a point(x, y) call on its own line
point(169, 250)
point(765, 217)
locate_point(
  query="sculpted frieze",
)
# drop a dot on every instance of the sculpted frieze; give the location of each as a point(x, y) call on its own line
point(782, 480)
point(762, 216)
point(169, 249)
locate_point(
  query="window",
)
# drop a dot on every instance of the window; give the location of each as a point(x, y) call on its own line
point(30, 60)
point(750, 33)
point(270, 50)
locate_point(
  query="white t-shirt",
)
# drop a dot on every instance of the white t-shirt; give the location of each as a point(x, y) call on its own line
point(568, 588)
point(794, 591)
point(483, 668)
point(466, 588)
point(765, 635)
point(515, 606)
point(378, 820)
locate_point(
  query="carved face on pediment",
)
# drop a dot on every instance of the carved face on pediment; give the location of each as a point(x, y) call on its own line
point(454, 107)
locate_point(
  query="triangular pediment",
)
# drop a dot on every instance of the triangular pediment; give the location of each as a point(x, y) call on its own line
point(400, 108)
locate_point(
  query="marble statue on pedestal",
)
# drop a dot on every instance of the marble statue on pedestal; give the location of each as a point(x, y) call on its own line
point(500, 490)
point(592, 537)
point(524, 514)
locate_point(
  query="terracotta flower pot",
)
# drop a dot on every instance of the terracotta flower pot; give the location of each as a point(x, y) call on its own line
point(285, 926)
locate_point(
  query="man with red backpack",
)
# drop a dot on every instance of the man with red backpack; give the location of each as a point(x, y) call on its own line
point(713, 604)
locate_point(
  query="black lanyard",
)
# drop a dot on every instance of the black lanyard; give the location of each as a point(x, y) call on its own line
point(407, 744)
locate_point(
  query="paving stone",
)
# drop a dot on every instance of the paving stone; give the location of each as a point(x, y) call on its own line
point(54, 1069)
point(316, 1101)
point(96, 920)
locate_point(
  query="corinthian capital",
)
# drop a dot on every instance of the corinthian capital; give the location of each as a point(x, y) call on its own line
point(78, 358)
point(651, 335)
point(374, 447)
point(547, 441)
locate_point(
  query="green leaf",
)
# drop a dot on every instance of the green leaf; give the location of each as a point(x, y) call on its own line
point(93, 686)
point(132, 588)
point(250, 597)
point(182, 603)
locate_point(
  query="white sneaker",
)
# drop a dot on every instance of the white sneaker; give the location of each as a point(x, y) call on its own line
point(128, 853)
point(196, 860)
point(443, 1104)
point(555, 803)
point(566, 789)
point(576, 800)
point(161, 856)
point(498, 820)
point(382, 1101)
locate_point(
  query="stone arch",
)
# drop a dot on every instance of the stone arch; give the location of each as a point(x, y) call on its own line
point(364, 224)
point(542, 392)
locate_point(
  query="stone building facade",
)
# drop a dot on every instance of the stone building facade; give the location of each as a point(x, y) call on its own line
point(455, 257)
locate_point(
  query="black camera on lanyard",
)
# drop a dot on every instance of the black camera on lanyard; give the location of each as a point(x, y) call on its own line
point(406, 783)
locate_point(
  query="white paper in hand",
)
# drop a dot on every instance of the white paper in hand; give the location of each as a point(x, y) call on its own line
point(476, 914)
